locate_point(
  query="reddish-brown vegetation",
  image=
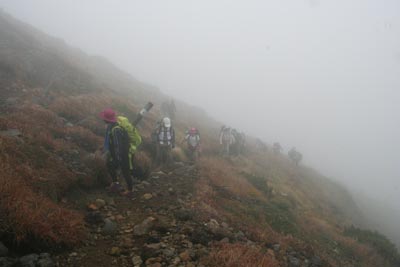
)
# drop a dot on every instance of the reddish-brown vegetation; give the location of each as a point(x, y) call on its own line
point(240, 255)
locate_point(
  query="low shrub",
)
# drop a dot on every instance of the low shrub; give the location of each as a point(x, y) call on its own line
point(240, 255)
point(378, 241)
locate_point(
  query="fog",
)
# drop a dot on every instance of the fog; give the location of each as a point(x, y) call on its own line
point(323, 76)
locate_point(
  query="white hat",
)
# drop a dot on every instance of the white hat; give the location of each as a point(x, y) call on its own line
point(167, 122)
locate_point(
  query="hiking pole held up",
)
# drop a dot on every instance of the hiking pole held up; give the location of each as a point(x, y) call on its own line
point(142, 112)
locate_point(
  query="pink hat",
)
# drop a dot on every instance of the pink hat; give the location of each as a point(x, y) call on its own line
point(108, 115)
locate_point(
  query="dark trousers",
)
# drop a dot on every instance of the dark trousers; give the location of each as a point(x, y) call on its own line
point(163, 155)
point(114, 165)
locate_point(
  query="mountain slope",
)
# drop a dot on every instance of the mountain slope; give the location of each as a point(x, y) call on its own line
point(254, 209)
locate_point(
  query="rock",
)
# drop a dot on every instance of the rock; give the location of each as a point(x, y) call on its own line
point(200, 236)
point(115, 251)
point(45, 261)
point(110, 227)
point(11, 133)
point(147, 196)
point(92, 207)
point(153, 261)
point(94, 217)
point(316, 261)
point(276, 247)
point(224, 225)
point(68, 124)
point(6, 262)
point(137, 261)
point(240, 236)
point(144, 227)
point(168, 252)
point(3, 250)
point(73, 254)
point(176, 261)
point(100, 203)
point(183, 215)
point(185, 256)
point(293, 261)
point(28, 260)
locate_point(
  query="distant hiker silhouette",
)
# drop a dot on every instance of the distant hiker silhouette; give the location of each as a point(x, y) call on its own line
point(295, 156)
point(226, 139)
point(192, 139)
point(164, 137)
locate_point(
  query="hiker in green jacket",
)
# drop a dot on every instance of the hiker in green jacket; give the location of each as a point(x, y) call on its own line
point(120, 142)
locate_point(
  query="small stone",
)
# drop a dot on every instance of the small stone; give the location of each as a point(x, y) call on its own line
point(137, 261)
point(168, 252)
point(92, 207)
point(45, 261)
point(176, 261)
point(276, 247)
point(3, 250)
point(144, 227)
point(316, 261)
point(110, 227)
point(100, 203)
point(115, 251)
point(293, 261)
point(147, 196)
point(73, 254)
point(185, 256)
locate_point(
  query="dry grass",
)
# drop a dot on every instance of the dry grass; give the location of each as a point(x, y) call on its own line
point(240, 255)
point(30, 216)
point(223, 176)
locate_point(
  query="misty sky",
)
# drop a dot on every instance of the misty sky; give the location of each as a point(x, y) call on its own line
point(320, 75)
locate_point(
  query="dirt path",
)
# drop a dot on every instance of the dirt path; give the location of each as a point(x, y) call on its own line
point(148, 230)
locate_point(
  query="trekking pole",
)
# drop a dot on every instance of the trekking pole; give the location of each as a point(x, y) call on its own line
point(142, 112)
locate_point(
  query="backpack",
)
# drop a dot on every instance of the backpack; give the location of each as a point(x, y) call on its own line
point(134, 137)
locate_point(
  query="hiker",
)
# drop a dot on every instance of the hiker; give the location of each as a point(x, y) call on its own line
point(277, 148)
point(120, 144)
point(192, 139)
point(226, 139)
point(295, 156)
point(165, 140)
point(239, 144)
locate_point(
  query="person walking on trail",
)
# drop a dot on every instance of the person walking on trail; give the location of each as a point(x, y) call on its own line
point(165, 141)
point(295, 156)
point(226, 139)
point(277, 148)
point(192, 139)
point(120, 144)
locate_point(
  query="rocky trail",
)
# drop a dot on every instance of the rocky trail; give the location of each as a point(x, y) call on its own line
point(158, 227)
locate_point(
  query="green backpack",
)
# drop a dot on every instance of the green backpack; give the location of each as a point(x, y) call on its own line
point(134, 137)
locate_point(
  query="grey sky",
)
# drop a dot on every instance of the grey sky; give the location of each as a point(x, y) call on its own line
point(320, 75)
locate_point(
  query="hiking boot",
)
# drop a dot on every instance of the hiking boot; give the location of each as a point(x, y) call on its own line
point(115, 188)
